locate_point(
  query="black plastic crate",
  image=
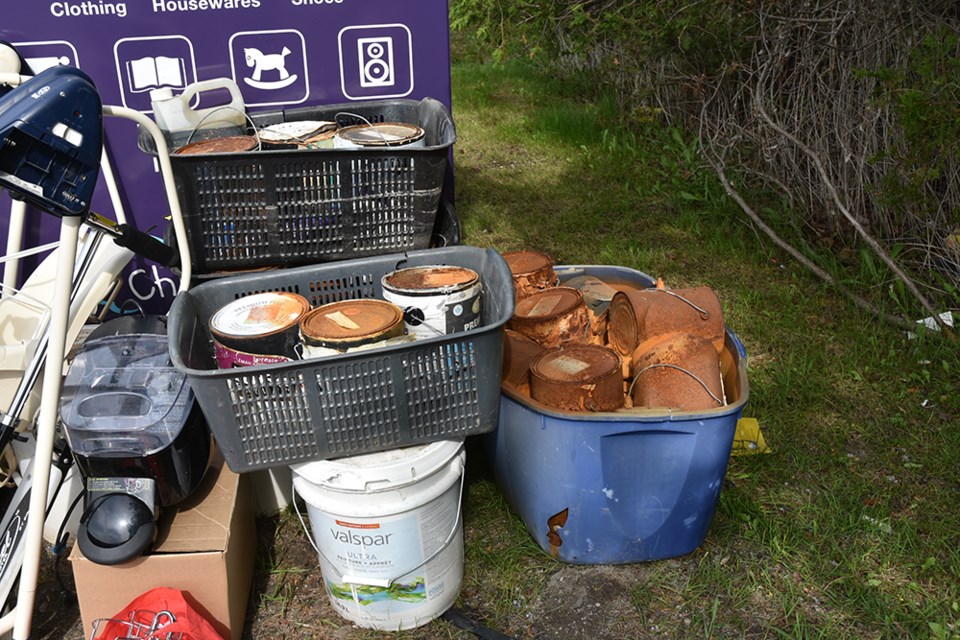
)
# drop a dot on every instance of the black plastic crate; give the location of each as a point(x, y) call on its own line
point(275, 415)
point(296, 207)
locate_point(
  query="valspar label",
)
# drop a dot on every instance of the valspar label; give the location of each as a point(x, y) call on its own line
point(420, 554)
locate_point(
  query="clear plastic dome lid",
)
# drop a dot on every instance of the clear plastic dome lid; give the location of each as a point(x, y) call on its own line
point(123, 397)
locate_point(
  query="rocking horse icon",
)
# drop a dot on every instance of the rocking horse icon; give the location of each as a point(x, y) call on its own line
point(270, 62)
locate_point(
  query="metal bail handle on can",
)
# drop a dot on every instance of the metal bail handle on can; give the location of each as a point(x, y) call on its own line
point(436, 300)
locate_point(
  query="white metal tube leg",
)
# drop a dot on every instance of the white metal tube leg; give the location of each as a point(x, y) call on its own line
point(46, 426)
point(11, 269)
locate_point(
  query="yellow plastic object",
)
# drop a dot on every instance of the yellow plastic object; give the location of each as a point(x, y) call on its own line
point(748, 439)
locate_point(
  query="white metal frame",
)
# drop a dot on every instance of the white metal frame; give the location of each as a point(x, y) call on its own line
point(21, 617)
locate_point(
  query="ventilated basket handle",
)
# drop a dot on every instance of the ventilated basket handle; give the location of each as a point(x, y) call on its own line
point(384, 582)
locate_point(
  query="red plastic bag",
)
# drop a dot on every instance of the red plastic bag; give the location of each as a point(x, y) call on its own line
point(156, 615)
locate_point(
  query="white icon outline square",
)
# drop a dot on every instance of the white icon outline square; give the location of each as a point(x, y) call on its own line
point(306, 69)
point(42, 43)
point(190, 72)
point(370, 27)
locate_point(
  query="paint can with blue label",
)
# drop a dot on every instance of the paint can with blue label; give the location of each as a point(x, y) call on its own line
point(436, 300)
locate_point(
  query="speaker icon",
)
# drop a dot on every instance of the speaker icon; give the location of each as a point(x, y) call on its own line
point(376, 61)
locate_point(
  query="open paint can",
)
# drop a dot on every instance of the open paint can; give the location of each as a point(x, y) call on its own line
point(436, 300)
point(225, 144)
point(258, 329)
point(298, 134)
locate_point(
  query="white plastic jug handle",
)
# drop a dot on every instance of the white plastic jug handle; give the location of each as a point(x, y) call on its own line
point(236, 98)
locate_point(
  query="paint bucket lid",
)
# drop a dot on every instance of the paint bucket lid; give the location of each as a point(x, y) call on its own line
point(225, 144)
point(383, 134)
point(382, 470)
point(260, 314)
point(351, 323)
point(430, 280)
point(547, 304)
point(576, 364)
point(527, 262)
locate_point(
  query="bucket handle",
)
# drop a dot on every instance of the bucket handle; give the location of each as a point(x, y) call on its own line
point(383, 138)
point(673, 366)
point(227, 107)
point(384, 582)
point(704, 314)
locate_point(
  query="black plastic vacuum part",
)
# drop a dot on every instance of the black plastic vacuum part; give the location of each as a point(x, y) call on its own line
point(115, 528)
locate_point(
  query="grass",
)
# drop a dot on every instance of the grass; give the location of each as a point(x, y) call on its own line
point(849, 529)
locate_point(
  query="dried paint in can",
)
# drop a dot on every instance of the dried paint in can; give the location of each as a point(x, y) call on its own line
point(347, 325)
point(224, 144)
point(436, 300)
point(258, 329)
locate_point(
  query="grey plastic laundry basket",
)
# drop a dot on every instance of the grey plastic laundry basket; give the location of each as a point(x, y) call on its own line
point(278, 414)
point(282, 208)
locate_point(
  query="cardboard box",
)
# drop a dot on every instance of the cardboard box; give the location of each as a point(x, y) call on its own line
point(205, 547)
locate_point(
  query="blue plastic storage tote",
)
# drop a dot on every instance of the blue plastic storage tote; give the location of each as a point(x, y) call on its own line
point(618, 487)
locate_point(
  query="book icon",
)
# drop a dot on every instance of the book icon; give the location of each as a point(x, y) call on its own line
point(153, 72)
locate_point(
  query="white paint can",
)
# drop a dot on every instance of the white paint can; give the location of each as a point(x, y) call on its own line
point(436, 300)
point(379, 136)
point(388, 532)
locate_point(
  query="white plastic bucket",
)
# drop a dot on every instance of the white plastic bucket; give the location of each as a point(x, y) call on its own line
point(387, 529)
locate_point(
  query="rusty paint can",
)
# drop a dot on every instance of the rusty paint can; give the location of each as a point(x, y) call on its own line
point(679, 371)
point(225, 144)
point(340, 327)
point(519, 352)
point(625, 318)
point(642, 315)
point(552, 317)
point(531, 272)
point(436, 300)
point(578, 377)
point(379, 135)
point(258, 329)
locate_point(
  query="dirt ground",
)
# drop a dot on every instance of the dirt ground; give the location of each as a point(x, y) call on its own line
point(288, 601)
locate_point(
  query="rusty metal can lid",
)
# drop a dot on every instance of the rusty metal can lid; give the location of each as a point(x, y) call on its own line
point(225, 144)
point(351, 322)
point(577, 364)
point(548, 303)
point(260, 314)
point(527, 262)
point(381, 134)
point(430, 280)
